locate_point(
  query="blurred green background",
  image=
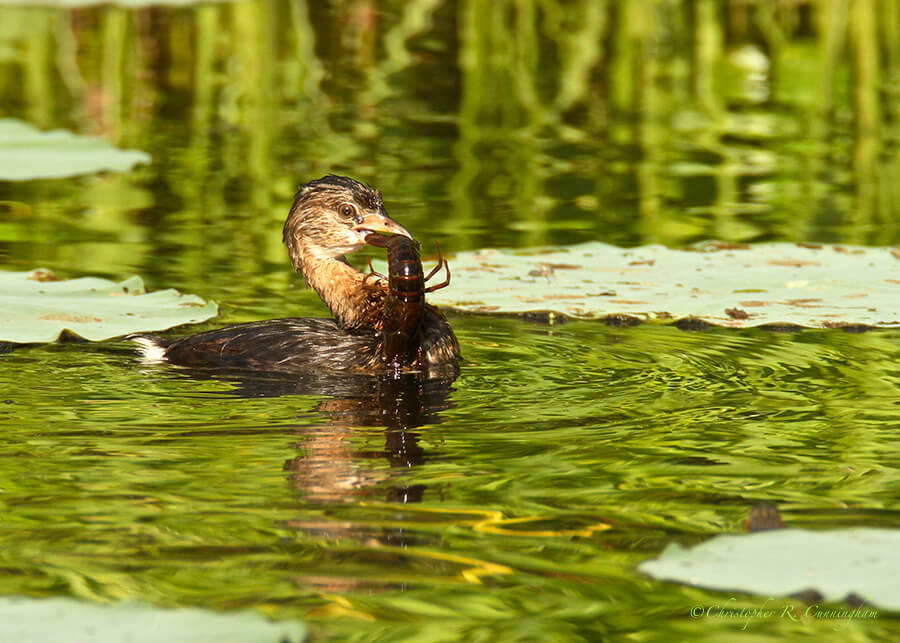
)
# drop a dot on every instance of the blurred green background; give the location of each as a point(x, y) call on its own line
point(510, 123)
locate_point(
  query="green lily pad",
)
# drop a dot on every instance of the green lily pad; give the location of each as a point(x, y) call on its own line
point(783, 562)
point(29, 620)
point(721, 284)
point(33, 308)
point(28, 153)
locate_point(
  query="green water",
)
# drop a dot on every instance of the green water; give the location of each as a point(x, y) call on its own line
point(516, 502)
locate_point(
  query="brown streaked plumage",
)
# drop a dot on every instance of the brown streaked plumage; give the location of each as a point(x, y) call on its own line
point(331, 217)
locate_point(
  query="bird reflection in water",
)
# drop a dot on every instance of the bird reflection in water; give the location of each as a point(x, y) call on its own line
point(331, 469)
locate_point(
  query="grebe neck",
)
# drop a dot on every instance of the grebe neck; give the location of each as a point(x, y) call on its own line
point(340, 286)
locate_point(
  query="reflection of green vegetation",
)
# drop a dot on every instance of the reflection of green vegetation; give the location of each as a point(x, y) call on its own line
point(532, 122)
point(124, 483)
point(516, 122)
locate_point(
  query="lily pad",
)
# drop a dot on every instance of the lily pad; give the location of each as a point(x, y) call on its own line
point(28, 153)
point(721, 284)
point(783, 562)
point(34, 308)
point(60, 619)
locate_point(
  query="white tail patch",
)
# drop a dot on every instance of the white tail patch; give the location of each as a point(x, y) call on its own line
point(151, 352)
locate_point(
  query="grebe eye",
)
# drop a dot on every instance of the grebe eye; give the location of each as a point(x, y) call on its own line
point(347, 211)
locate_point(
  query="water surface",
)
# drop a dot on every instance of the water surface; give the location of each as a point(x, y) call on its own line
point(516, 501)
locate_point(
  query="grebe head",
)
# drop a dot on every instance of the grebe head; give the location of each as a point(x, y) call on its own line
point(335, 215)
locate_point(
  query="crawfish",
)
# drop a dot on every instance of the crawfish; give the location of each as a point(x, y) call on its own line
point(404, 305)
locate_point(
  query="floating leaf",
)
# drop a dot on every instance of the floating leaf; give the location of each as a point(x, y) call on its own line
point(782, 562)
point(34, 308)
point(28, 153)
point(61, 619)
point(721, 284)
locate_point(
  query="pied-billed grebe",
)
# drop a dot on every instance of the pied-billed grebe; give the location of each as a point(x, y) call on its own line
point(331, 217)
